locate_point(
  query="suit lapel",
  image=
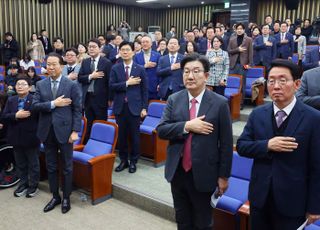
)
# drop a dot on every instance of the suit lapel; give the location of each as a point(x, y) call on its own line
point(48, 87)
point(205, 105)
point(179, 58)
point(185, 106)
point(296, 116)
point(61, 87)
point(134, 70)
point(268, 122)
point(122, 73)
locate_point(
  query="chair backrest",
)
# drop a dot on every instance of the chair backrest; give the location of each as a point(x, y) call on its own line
point(38, 70)
point(310, 47)
point(82, 132)
point(37, 63)
point(103, 138)
point(234, 85)
point(1, 77)
point(2, 69)
point(253, 74)
point(295, 58)
point(155, 110)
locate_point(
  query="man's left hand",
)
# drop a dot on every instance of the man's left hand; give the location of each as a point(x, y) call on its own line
point(143, 113)
point(222, 185)
point(312, 218)
point(73, 137)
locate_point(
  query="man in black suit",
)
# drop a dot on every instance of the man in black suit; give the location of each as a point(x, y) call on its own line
point(45, 41)
point(197, 123)
point(21, 134)
point(129, 82)
point(94, 77)
point(58, 100)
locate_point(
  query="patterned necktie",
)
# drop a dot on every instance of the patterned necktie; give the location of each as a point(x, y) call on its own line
point(92, 67)
point(280, 115)
point(172, 59)
point(54, 88)
point(127, 72)
point(186, 160)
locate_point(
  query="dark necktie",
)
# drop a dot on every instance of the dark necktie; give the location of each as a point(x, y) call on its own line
point(70, 70)
point(127, 77)
point(280, 115)
point(92, 67)
point(172, 59)
point(54, 88)
point(186, 160)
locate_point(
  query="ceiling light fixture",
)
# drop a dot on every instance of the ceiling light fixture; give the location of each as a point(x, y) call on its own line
point(202, 3)
point(145, 1)
point(169, 6)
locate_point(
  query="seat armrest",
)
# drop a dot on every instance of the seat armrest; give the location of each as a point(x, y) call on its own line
point(101, 158)
point(78, 148)
point(245, 209)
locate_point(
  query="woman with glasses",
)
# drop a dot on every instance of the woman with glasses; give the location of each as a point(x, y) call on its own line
point(219, 66)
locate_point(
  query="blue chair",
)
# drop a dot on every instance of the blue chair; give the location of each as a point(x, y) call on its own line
point(37, 63)
point(310, 47)
point(93, 162)
point(42, 76)
point(1, 77)
point(82, 131)
point(313, 226)
point(38, 70)
point(2, 69)
point(234, 94)
point(151, 145)
point(252, 75)
point(226, 210)
point(295, 58)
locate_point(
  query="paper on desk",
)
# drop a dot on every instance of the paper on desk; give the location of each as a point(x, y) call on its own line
point(303, 225)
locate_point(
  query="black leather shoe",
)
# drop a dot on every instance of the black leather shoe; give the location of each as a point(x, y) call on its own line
point(132, 167)
point(52, 203)
point(65, 206)
point(123, 165)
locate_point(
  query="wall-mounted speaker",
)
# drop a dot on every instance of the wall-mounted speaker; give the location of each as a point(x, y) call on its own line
point(292, 4)
point(45, 1)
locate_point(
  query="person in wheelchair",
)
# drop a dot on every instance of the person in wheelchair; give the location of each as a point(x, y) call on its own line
point(8, 173)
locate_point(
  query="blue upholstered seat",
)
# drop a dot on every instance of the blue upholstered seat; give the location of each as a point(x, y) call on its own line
point(312, 227)
point(78, 142)
point(252, 74)
point(233, 86)
point(38, 70)
point(151, 121)
point(2, 69)
point(100, 142)
point(37, 63)
point(295, 58)
point(237, 192)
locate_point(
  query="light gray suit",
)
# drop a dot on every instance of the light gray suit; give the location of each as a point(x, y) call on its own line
point(309, 91)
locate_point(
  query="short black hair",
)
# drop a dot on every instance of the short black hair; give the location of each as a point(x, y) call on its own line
point(174, 39)
point(195, 47)
point(295, 70)
point(283, 23)
point(124, 43)
point(196, 57)
point(72, 50)
point(95, 40)
point(24, 78)
point(58, 38)
point(110, 37)
point(53, 54)
point(240, 24)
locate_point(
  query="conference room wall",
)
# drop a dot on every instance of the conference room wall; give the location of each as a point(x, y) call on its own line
point(277, 8)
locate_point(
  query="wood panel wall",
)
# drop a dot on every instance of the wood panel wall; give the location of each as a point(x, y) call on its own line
point(276, 8)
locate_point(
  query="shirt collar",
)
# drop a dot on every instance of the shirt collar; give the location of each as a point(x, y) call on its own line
point(286, 109)
point(58, 79)
point(198, 98)
point(96, 60)
point(130, 65)
point(72, 66)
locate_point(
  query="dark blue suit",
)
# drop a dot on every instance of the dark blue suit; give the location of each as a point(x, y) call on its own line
point(154, 46)
point(128, 103)
point(203, 46)
point(284, 50)
point(290, 178)
point(311, 60)
point(153, 79)
point(264, 54)
point(112, 55)
point(55, 127)
point(170, 80)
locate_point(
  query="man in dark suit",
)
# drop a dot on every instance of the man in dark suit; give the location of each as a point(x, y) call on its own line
point(94, 77)
point(45, 41)
point(58, 100)
point(149, 60)
point(285, 43)
point(266, 47)
point(205, 43)
point(198, 126)
point(169, 71)
point(219, 32)
point(129, 83)
point(114, 55)
point(21, 134)
point(155, 43)
point(109, 46)
point(282, 138)
point(309, 90)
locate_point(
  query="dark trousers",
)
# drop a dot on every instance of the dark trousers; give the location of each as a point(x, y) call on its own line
point(219, 89)
point(153, 96)
point(52, 147)
point(269, 218)
point(6, 156)
point(128, 127)
point(192, 208)
point(27, 164)
point(93, 111)
point(169, 92)
point(238, 69)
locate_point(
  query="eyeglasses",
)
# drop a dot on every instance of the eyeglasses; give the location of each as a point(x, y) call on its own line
point(281, 81)
point(195, 72)
point(93, 47)
point(21, 85)
point(71, 55)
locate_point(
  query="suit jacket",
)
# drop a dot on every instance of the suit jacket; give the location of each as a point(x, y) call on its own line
point(113, 55)
point(211, 154)
point(101, 85)
point(285, 50)
point(137, 95)
point(169, 77)
point(20, 132)
point(293, 176)
point(203, 46)
point(309, 91)
point(246, 57)
point(63, 119)
point(265, 54)
point(311, 59)
point(154, 46)
point(225, 44)
point(107, 50)
point(153, 79)
point(47, 49)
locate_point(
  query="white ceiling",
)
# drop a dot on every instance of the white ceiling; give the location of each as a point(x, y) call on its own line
point(164, 3)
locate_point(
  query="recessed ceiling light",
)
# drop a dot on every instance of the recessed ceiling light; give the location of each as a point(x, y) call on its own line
point(202, 3)
point(169, 6)
point(144, 1)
